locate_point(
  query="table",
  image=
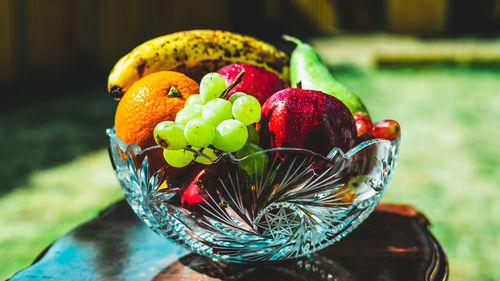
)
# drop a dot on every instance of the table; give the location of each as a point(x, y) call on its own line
point(394, 243)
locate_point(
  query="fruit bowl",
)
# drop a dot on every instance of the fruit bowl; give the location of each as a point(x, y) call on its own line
point(297, 201)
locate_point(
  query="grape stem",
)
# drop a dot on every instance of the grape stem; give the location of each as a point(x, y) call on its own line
point(199, 153)
point(236, 81)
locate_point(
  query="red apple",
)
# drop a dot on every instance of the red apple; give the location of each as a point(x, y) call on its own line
point(386, 129)
point(307, 119)
point(198, 185)
point(256, 81)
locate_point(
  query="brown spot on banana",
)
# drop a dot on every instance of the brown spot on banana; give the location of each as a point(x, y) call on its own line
point(194, 53)
point(140, 68)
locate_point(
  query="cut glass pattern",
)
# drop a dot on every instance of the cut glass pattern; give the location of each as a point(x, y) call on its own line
point(297, 203)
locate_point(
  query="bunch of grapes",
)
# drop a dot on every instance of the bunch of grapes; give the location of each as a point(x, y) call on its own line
point(210, 124)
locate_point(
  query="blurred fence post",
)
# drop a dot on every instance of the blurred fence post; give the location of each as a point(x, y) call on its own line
point(417, 16)
point(6, 40)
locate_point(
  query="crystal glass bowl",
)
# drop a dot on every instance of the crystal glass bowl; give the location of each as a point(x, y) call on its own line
point(292, 203)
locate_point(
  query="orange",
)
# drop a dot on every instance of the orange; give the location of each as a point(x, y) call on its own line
point(148, 102)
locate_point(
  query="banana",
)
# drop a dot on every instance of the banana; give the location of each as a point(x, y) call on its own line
point(194, 53)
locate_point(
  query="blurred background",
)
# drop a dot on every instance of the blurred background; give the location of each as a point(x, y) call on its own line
point(433, 65)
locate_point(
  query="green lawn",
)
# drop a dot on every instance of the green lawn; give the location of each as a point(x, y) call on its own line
point(447, 166)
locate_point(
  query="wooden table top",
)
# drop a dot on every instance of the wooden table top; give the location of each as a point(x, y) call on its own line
point(394, 243)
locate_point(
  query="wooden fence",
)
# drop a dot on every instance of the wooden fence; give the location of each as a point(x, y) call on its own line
point(51, 37)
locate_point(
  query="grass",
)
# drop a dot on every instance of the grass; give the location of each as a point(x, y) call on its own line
point(51, 203)
point(447, 166)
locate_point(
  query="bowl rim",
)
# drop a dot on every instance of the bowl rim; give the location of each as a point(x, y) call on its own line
point(110, 132)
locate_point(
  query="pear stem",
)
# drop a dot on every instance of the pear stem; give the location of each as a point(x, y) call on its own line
point(291, 39)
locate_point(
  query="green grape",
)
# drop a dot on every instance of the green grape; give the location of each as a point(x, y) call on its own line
point(199, 132)
point(253, 135)
point(230, 135)
point(188, 113)
point(193, 99)
point(235, 96)
point(207, 151)
point(178, 158)
point(211, 86)
point(217, 110)
point(169, 135)
point(246, 109)
point(253, 162)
